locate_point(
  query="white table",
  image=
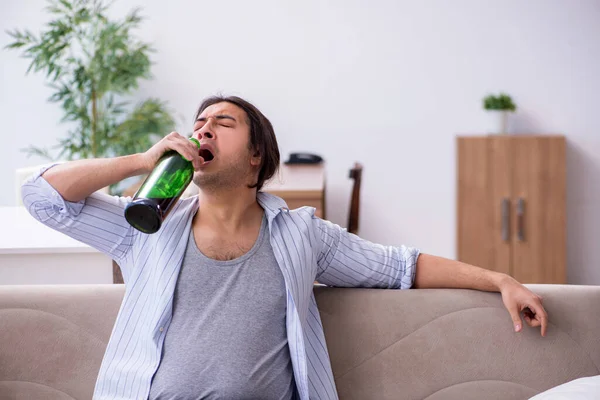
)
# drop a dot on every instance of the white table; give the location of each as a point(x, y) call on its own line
point(32, 253)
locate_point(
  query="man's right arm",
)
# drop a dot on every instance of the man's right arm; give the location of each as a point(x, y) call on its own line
point(65, 196)
point(76, 180)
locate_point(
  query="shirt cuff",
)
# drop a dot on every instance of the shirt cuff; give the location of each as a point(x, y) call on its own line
point(48, 192)
point(409, 272)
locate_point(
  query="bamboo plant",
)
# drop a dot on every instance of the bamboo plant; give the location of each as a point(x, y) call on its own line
point(94, 64)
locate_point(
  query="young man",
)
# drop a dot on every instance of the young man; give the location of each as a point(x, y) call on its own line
point(219, 302)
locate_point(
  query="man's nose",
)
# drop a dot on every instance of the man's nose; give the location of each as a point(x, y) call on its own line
point(206, 132)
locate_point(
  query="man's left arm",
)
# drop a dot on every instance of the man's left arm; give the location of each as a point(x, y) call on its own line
point(439, 272)
point(346, 260)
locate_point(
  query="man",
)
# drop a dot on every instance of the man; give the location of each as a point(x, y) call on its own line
point(219, 302)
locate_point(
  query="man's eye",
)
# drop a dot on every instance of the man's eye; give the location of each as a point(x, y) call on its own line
point(225, 125)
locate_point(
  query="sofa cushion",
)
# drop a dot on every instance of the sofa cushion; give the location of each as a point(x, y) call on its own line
point(53, 339)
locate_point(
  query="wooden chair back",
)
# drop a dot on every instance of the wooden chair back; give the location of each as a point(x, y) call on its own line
point(353, 215)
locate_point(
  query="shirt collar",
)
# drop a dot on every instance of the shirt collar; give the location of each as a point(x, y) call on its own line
point(272, 204)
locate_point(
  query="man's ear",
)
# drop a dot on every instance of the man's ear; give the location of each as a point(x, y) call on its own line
point(256, 159)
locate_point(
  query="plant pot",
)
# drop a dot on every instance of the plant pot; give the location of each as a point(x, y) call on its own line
point(498, 122)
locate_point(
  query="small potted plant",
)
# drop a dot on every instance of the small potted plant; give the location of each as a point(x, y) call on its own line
point(500, 106)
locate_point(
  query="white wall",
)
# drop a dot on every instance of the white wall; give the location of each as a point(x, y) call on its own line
point(388, 83)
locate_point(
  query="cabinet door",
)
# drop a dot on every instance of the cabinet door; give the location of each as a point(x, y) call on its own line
point(501, 191)
point(539, 203)
point(482, 168)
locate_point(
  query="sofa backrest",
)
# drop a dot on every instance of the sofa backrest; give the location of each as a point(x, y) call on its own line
point(456, 344)
point(413, 344)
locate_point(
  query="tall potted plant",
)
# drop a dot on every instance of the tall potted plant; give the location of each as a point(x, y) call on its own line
point(93, 63)
point(500, 107)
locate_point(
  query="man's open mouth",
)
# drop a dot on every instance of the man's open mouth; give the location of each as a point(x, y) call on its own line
point(207, 155)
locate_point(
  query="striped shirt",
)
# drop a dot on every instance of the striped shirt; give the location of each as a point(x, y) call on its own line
point(306, 247)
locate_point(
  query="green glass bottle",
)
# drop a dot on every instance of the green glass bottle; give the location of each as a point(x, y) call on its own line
point(160, 191)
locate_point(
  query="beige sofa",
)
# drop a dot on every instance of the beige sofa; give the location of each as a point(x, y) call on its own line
point(384, 344)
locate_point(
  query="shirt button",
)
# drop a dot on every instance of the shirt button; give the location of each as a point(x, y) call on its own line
point(161, 329)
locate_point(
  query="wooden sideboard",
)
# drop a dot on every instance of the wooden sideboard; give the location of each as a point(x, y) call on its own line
point(300, 185)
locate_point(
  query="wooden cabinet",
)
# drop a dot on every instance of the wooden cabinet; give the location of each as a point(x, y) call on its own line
point(511, 205)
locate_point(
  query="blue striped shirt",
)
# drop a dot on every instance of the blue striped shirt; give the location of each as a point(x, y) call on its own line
point(306, 247)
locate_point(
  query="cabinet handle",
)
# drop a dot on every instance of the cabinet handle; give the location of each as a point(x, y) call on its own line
point(505, 209)
point(520, 219)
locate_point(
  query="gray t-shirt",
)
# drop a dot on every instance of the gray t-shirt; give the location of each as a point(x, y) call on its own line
point(227, 339)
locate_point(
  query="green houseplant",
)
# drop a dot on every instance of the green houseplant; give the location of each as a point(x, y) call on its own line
point(93, 63)
point(500, 105)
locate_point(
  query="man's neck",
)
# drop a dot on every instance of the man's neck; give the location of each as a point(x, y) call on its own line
point(228, 211)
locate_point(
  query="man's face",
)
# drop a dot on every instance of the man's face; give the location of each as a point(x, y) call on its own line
point(223, 132)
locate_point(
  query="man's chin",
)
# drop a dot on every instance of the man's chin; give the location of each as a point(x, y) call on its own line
point(205, 181)
point(222, 179)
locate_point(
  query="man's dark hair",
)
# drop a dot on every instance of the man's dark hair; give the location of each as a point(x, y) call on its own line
point(262, 135)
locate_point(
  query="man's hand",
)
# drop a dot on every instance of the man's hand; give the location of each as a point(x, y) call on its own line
point(438, 272)
point(517, 298)
point(173, 141)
